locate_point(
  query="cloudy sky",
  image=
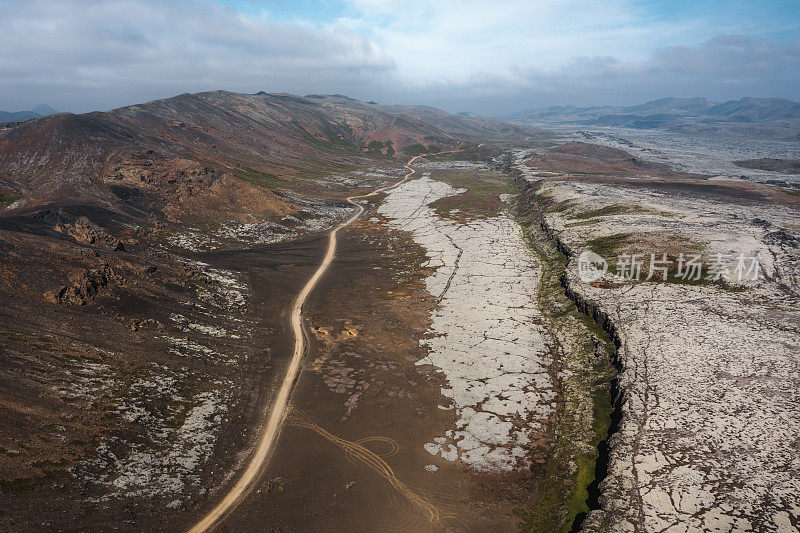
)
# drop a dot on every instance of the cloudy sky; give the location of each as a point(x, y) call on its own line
point(485, 56)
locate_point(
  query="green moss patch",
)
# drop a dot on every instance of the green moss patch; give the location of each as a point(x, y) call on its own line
point(653, 245)
point(622, 209)
point(419, 149)
point(262, 179)
point(476, 154)
point(7, 199)
point(584, 413)
point(482, 198)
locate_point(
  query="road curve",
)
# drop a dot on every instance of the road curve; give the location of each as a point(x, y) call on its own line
point(278, 411)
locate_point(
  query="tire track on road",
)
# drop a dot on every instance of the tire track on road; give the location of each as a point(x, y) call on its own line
point(278, 410)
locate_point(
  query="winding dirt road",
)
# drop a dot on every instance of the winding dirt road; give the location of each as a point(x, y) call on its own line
point(280, 405)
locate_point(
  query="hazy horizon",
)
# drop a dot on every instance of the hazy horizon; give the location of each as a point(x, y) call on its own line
point(458, 56)
point(598, 105)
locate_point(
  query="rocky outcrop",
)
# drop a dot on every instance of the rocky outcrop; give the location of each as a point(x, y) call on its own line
point(85, 232)
point(83, 287)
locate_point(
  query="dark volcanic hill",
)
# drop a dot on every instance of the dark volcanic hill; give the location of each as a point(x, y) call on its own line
point(265, 139)
point(787, 166)
point(757, 109)
point(586, 158)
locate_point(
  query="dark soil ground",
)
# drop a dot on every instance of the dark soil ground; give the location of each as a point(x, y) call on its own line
point(351, 457)
point(53, 417)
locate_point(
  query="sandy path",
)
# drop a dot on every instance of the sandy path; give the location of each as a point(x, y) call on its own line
point(278, 411)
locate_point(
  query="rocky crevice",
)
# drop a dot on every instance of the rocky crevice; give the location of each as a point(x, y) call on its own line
point(592, 520)
point(707, 416)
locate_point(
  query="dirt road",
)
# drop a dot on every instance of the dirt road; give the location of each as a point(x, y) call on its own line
point(279, 408)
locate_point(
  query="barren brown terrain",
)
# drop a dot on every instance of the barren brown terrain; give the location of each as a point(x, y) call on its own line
point(269, 312)
point(386, 266)
point(149, 264)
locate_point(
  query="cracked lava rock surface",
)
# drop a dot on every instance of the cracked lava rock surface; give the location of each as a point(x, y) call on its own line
point(710, 417)
point(484, 335)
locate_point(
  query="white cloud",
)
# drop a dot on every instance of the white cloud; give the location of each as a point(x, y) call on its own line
point(477, 55)
point(724, 67)
point(100, 53)
point(451, 38)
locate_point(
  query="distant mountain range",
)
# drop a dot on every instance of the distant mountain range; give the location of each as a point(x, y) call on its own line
point(775, 118)
point(40, 110)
